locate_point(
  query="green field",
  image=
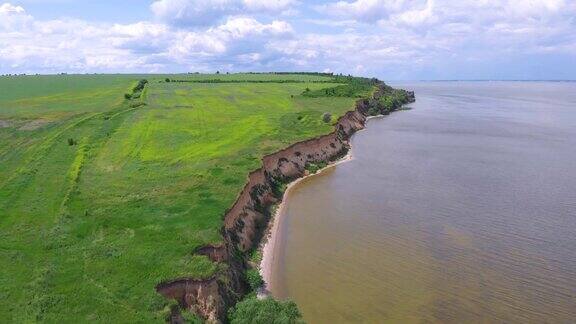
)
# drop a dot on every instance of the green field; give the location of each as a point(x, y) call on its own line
point(88, 230)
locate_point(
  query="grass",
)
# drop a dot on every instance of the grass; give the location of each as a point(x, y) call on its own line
point(355, 87)
point(54, 97)
point(88, 230)
point(250, 77)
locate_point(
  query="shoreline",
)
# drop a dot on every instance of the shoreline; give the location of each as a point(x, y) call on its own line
point(248, 223)
point(271, 244)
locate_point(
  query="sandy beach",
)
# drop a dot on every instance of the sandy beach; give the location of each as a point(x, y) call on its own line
point(272, 244)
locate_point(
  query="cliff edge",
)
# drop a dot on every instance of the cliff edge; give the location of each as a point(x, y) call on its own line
point(246, 220)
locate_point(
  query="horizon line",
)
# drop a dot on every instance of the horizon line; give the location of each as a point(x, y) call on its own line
point(283, 72)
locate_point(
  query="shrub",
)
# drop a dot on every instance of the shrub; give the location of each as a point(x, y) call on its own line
point(167, 80)
point(315, 167)
point(71, 141)
point(127, 96)
point(265, 311)
point(278, 187)
point(256, 255)
point(326, 117)
point(140, 86)
point(351, 87)
point(373, 110)
point(162, 307)
point(137, 104)
point(190, 317)
point(254, 279)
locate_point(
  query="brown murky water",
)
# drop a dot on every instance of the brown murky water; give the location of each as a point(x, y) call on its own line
point(461, 210)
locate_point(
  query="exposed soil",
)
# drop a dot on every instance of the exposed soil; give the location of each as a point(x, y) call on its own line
point(34, 124)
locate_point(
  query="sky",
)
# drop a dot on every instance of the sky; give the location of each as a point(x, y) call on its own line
point(389, 39)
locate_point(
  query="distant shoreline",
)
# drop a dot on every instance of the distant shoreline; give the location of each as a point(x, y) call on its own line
point(482, 80)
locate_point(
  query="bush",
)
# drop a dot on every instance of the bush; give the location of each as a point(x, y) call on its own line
point(254, 279)
point(265, 311)
point(315, 167)
point(326, 117)
point(351, 87)
point(167, 80)
point(140, 86)
point(137, 104)
point(136, 91)
point(190, 317)
point(256, 255)
point(374, 109)
point(278, 187)
point(71, 141)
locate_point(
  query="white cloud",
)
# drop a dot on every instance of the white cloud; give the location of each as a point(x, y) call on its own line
point(444, 11)
point(9, 9)
point(363, 10)
point(13, 17)
point(270, 6)
point(354, 36)
point(460, 26)
point(416, 17)
point(534, 7)
point(210, 12)
point(65, 45)
point(193, 12)
point(239, 42)
point(240, 27)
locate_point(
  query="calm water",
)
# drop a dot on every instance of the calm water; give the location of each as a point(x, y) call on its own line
point(461, 210)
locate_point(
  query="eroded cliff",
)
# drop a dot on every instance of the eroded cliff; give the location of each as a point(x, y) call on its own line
point(245, 221)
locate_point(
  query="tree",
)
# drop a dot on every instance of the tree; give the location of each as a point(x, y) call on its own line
point(326, 117)
point(254, 279)
point(167, 80)
point(265, 311)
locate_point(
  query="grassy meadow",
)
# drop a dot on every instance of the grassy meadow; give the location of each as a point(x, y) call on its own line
point(87, 230)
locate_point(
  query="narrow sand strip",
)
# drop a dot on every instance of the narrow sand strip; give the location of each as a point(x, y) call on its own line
point(272, 243)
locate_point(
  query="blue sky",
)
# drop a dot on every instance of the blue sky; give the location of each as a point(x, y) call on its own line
point(390, 39)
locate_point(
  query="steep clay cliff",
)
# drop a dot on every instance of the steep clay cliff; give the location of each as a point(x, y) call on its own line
point(245, 221)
